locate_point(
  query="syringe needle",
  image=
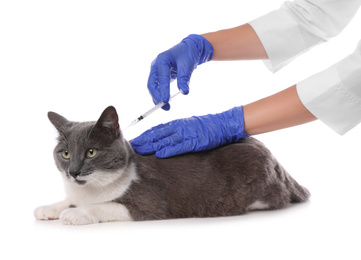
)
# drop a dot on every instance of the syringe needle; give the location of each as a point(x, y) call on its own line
point(150, 111)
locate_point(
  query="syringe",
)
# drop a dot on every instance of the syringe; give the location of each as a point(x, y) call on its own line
point(155, 108)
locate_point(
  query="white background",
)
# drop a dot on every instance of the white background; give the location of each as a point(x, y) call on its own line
point(78, 57)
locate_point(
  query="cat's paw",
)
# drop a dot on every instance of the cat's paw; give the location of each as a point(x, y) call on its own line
point(75, 216)
point(47, 212)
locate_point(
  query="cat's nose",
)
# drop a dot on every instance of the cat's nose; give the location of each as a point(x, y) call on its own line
point(74, 173)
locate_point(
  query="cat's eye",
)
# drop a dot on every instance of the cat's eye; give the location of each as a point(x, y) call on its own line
point(91, 153)
point(65, 154)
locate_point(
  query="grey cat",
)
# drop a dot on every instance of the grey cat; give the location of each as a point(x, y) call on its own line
point(105, 180)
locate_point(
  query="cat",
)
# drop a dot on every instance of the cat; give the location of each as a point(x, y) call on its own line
point(105, 180)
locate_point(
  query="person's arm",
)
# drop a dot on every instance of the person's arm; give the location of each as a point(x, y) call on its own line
point(239, 43)
point(333, 96)
point(200, 133)
point(275, 112)
point(283, 34)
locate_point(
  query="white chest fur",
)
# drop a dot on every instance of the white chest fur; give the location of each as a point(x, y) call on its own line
point(100, 186)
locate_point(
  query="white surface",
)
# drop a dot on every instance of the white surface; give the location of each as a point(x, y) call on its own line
point(77, 57)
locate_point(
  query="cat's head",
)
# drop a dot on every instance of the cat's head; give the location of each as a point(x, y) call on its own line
point(91, 152)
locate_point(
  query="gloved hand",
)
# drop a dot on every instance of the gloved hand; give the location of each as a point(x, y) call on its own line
point(192, 134)
point(177, 63)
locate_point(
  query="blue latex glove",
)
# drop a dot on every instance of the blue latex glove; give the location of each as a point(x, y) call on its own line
point(192, 134)
point(177, 63)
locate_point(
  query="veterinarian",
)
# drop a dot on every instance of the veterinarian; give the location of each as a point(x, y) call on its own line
point(332, 96)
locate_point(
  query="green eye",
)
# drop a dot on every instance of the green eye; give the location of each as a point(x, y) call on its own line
point(91, 153)
point(65, 154)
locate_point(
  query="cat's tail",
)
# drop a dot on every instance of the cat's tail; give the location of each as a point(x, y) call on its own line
point(298, 192)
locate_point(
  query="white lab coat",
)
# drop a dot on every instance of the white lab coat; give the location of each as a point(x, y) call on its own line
point(333, 95)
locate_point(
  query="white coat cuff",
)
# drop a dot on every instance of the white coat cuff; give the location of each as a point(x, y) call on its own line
point(283, 37)
point(334, 95)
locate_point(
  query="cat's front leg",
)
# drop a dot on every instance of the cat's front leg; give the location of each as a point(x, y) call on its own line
point(96, 213)
point(51, 212)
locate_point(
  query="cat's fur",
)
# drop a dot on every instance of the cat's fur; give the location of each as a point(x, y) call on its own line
point(117, 184)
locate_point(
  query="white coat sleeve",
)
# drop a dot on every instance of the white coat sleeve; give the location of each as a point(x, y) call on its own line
point(333, 95)
point(300, 25)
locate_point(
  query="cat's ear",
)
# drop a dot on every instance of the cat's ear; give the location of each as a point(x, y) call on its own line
point(107, 125)
point(58, 121)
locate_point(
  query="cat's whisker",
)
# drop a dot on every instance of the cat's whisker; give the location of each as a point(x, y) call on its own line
point(101, 183)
